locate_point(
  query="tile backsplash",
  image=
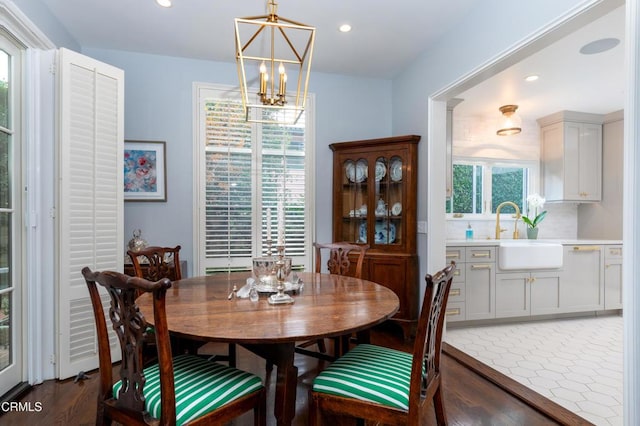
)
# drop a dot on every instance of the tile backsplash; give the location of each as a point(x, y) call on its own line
point(560, 222)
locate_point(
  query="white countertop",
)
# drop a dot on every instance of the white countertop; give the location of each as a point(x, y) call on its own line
point(493, 242)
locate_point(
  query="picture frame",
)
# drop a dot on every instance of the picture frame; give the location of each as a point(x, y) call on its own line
point(145, 177)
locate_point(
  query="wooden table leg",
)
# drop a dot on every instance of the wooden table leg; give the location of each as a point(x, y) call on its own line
point(281, 355)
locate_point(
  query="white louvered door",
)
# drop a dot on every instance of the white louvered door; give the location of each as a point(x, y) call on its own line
point(90, 199)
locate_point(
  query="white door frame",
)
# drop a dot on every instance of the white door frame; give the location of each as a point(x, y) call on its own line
point(436, 191)
point(38, 132)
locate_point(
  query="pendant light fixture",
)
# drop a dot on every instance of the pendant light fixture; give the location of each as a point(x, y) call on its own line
point(271, 52)
point(511, 124)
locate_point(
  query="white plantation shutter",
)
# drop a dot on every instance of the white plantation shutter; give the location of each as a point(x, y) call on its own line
point(90, 202)
point(244, 170)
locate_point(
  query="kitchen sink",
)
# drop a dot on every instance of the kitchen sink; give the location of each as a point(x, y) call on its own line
point(529, 254)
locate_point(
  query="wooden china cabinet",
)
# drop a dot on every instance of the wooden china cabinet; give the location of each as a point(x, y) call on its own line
point(374, 203)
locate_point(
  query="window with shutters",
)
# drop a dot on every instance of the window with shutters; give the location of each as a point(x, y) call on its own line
point(245, 172)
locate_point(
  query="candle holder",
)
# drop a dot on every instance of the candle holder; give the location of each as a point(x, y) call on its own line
point(281, 274)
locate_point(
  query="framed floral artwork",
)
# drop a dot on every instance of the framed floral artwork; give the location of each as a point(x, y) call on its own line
point(145, 177)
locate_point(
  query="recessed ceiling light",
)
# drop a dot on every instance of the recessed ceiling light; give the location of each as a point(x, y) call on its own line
point(599, 46)
point(345, 28)
point(532, 77)
point(164, 3)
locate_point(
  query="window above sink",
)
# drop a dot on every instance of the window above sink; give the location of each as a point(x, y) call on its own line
point(480, 185)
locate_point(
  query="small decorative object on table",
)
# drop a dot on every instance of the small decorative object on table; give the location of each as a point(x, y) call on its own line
point(137, 243)
point(534, 202)
point(281, 274)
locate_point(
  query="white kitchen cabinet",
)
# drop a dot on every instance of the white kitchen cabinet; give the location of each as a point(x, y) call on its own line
point(480, 283)
point(590, 280)
point(472, 294)
point(527, 293)
point(582, 279)
point(572, 156)
point(613, 277)
point(456, 303)
point(513, 294)
point(545, 293)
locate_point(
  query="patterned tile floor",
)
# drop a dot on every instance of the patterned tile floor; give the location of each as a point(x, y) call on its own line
point(576, 363)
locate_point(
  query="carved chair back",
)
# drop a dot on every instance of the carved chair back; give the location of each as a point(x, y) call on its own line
point(153, 263)
point(353, 394)
point(129, 325)
point(425, 370)
point(338, 259)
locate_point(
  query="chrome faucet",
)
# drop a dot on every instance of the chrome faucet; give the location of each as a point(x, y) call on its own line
point(515, 227)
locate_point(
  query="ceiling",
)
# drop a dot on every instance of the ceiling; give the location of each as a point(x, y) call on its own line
point(568, 80)
point(203, 29)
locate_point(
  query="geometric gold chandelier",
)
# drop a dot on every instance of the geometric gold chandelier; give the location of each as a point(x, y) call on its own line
point(271, 51)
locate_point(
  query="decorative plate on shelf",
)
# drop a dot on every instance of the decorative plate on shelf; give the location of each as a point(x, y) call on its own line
point(396, 209)
point(395, 170)
point(381, 170)
point(361, 171)
point(385, 233)
point(350, 170)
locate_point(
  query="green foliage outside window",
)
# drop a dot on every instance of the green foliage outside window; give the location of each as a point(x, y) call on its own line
point(467, 191)
point(507, 184)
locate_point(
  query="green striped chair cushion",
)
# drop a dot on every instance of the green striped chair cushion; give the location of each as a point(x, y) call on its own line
point(369, 373)
point(201, 387)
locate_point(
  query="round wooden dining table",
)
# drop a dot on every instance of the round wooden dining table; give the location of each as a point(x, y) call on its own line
point(326, 306)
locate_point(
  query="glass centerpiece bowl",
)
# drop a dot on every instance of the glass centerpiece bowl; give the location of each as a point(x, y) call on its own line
point(264, 271)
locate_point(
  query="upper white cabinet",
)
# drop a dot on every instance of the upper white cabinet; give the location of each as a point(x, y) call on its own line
point(572, 156)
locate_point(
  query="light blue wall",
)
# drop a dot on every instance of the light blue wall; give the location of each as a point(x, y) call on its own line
point(159, 104)
point(47, 23)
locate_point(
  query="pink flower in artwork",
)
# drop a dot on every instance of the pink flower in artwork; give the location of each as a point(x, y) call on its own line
point(140, 171)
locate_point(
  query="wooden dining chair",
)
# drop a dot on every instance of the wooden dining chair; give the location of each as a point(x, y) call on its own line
point(338, 262)
point(176, 390)
point(154, 263)
point(388, 386)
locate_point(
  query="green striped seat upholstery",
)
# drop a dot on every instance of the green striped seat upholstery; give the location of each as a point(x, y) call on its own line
point(369, 373)
point(201, 386)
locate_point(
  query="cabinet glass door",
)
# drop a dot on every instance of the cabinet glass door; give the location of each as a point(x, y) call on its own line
point(354, 200)
point(388, 200)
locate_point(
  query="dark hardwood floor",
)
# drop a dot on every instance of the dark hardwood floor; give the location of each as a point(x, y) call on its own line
point(474, 394)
